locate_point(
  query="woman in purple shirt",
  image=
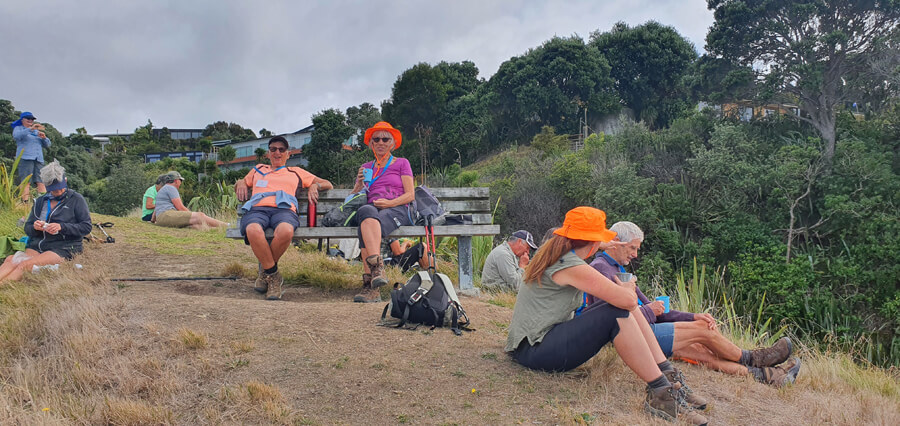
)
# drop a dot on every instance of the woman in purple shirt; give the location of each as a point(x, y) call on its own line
point(389, 184)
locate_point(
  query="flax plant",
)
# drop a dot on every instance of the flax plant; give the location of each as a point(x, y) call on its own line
point(10, 193)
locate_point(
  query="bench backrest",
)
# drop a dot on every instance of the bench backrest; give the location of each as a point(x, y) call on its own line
point(475, 201)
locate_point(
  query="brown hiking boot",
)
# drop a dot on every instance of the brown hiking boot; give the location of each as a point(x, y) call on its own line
point(773, 355)
point(684, 394)
point(376, 266)
point(778, 376)
point(368, 295)
point(662, 403)
point(275, 283)
point(261, 285)
point(367, 280)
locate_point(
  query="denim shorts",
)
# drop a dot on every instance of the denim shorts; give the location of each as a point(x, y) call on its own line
point(29, 167)
point(665, 336)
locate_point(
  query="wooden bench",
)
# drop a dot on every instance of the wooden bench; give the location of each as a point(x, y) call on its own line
point(475, 201)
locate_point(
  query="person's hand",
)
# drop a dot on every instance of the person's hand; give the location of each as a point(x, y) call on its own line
point(38, 126)
point(359, 175)
point(658, 307)
point(313, 193)
point(710, 321)
point(612, 244)
point(382, 203)
point(242, 192)
point(52, 228)
point(38, 225)
point(631, 285)
point(524, 259)
point(41, 134)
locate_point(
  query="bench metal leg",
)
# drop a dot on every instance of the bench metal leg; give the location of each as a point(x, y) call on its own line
point(466, 283)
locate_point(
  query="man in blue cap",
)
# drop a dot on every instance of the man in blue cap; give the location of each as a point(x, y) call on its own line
point(30, 143)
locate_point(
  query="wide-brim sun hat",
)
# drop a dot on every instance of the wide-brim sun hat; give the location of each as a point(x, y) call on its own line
point(586, 224)
point(383, 126)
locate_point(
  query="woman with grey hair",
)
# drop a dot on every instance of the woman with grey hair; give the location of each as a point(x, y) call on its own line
point(56, 226)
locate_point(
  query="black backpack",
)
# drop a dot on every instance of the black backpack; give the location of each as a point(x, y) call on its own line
point(427, 299)
point(428, 205)
point(343, 214)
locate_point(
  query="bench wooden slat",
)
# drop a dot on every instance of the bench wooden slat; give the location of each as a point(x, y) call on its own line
point(403, 231)
point(441, 193)
point(455, 206)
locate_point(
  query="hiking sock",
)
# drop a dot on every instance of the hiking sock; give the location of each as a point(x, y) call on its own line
point(271, 270)
point(659, 382)
point(746, 357)
point(757, 373)
point(665, 366)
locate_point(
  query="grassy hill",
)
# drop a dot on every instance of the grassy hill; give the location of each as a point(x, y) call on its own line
point(77, 347)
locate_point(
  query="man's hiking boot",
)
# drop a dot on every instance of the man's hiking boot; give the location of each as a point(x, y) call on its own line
point(368, 295)
point(662, 402)
point(275, 286)
point(261, 286)
point(779, 376)
point(684, 394)
point(376, 267)
point(773, 355)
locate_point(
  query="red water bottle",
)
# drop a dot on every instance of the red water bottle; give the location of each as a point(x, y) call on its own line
point(311, 215)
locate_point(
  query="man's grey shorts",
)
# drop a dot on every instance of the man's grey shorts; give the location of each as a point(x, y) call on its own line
point(29, 167)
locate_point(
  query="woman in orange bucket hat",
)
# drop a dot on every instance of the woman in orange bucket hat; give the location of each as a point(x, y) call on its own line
point(544, 335)
point(390, 188)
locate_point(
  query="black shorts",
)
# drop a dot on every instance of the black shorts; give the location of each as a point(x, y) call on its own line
point(65, 253)
point(269, 217)
point(390, 218)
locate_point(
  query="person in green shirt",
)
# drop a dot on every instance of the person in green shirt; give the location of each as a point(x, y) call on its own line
point(545, 335)
point(150, 198)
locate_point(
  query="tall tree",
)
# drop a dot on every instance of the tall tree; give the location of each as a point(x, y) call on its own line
point(551, 85)
point(324, 151)
point(648, 62)
point(234, 132)
point(805, 48)
point(362, 117)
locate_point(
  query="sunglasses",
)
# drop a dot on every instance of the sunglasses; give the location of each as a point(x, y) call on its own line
point(277, 149)
point(381, 139)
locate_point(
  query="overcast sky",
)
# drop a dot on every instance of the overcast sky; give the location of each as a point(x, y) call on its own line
point(111, 65)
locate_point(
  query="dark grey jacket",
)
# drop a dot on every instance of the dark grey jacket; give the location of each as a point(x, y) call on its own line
point(73, 216)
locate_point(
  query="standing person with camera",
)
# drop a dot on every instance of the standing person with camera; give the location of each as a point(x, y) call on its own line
point(30, 143)
point(390, 188)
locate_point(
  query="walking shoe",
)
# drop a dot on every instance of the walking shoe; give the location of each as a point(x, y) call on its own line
point(261, 286)
point(368, 295)
point(367, 280)
point(778, 376)
point(275, 283)
point(683, 393)
point(661, 402)
point(773, 355)
point(376, 267)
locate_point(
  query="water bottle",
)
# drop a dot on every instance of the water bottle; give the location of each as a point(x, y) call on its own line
point(311, 215)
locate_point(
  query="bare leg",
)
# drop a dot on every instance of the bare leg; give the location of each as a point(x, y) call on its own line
point(6, 268)
point(371, 235)
point(45, 258)
point(632, 348)
point(649, 337)
point(258, 244)
point(689, 332)
point(281, 240)
point(202, 221)
point(702, 355)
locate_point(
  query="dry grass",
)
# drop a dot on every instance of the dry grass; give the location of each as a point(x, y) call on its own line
point(128, 412)
point(192, 340)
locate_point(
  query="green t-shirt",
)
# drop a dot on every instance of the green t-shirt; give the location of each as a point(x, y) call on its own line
point(151, 194)
point(541, 306)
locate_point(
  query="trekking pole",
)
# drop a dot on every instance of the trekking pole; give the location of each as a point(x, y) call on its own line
point(108, 225)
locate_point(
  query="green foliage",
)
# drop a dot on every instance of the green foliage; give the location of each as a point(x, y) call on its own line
point(123, 190)
point(10, 193)
point(221, 130)
point(226, 154)
point(326, 154)
point(217, 200)
point(548, 142)
point(648, 62)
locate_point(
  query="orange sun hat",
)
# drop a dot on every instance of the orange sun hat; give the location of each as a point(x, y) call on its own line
point(587, 224)
point(383, 125)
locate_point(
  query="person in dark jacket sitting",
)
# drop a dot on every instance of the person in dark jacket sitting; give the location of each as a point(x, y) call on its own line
point(56, 227)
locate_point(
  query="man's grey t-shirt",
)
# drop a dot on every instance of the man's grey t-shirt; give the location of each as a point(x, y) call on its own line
point(164, 199)
point(501, 269)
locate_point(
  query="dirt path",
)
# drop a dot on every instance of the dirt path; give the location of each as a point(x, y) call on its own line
point(317, 358)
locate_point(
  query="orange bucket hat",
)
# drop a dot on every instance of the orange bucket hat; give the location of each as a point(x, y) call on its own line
point(587, 224)
point(383, 125)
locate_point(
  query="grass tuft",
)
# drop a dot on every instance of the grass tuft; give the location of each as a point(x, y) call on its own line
point(129, 412)
point(192, 340)
point(259, 392)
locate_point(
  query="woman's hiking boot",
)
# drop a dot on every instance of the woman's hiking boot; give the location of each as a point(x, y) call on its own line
point(779, 376)
point(368, 295)
point(376, 267)
point(661, 402)
point(275, 286)
point(261, 286)
point(773, 355)
point(684, 394)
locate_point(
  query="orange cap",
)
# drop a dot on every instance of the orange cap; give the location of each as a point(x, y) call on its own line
point(383, 125)
point(587, 224)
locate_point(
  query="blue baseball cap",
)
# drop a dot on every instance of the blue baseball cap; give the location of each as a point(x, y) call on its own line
point(27, 114)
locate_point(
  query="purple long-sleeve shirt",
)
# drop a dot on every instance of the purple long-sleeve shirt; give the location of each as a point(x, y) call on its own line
point(608, 267)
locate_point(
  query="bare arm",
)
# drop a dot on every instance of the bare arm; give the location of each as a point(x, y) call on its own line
point(588, 280)
point(314, 188)
point(179, 205)
point(149, 203)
